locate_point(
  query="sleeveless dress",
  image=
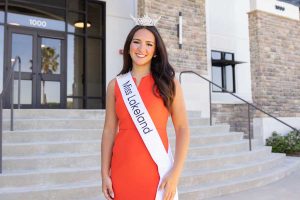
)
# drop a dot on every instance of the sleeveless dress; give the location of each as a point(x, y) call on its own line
point(134, 173)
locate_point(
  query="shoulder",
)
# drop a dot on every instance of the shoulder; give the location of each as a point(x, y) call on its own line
point(111, 85)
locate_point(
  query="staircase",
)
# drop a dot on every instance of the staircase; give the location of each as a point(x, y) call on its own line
point(55, 155)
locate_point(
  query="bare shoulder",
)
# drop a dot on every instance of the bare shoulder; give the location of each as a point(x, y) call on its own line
point(111, 85)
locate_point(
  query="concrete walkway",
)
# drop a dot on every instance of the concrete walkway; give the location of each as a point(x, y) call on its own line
point(287, 188)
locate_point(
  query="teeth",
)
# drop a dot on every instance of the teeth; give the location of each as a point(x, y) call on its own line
point(140, 55)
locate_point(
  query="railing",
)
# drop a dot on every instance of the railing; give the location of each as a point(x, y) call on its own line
point(9, 81)
point(249, 104)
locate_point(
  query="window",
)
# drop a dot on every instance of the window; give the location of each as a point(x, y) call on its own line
point(223, 71)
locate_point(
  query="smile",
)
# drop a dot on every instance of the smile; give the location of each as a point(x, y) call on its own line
point(140, 55)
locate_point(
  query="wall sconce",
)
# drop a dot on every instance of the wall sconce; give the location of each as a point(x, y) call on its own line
point(179, 30)
point(80, 24)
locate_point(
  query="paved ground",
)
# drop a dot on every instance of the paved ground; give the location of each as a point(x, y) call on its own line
point(287, 188)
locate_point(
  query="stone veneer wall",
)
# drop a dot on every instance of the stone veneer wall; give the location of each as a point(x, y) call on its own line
point(236, 115)
point(192, 56)
point(275, 63)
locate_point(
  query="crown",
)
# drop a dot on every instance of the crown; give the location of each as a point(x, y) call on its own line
point(145, 21)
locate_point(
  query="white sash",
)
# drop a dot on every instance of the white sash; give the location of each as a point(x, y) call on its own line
point(146, 128)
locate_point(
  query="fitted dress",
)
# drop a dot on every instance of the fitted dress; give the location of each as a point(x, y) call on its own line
point(134, 173)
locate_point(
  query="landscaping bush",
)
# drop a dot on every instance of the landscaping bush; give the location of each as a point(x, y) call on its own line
point(288, 144)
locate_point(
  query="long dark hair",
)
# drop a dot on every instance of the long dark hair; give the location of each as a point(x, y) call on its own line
point(161, 70)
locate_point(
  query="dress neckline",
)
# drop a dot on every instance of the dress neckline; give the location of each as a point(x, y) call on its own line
point(146, 76)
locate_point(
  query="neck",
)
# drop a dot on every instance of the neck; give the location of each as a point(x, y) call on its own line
point(139, 72)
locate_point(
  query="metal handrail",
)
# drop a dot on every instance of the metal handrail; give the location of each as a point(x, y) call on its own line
point(8, 81)
point(231, 93)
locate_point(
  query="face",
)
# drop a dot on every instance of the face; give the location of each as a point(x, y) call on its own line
point(142, 48)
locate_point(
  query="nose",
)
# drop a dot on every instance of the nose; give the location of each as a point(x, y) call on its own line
point(142, 48)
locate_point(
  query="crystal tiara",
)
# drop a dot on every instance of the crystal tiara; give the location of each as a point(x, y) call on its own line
point(145, 21)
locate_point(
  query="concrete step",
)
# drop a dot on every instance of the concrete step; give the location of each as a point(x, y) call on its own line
point(205, 139)
point(36, 124)
point(62, 160)
point(49, 177)
point(51, 135)
point(218, 161)
point(44, 148)
point(202, 176)
point(193, 121)
point(68, 123)
point(204, 129)
point(33, 137)
point(74, 191)
point(54, 114)
point(93, 146)
point(67, 113)
point(218, 149)
point(203, 191)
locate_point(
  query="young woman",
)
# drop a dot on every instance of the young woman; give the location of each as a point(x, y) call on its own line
point(128, 170)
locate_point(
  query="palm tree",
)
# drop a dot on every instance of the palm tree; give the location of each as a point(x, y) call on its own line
point(49, 65)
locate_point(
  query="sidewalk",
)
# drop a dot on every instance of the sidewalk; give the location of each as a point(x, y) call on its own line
point(287, 188)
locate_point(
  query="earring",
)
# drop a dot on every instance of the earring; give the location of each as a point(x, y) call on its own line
point(154, 56)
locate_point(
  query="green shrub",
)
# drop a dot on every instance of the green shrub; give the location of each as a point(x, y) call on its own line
point(289, 143)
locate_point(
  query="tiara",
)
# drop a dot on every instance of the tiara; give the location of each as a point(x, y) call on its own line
point(145, 21)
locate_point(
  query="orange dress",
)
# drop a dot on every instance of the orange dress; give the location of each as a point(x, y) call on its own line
point(134, 173)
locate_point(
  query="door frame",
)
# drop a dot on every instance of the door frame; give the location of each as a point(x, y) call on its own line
point(37, 34)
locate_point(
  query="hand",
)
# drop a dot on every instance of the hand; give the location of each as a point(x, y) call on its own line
point(107, 188)
point(169, 185)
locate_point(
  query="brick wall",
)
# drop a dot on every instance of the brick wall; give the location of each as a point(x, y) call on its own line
point(236, 115)
point(275, 63)
point(193, 54)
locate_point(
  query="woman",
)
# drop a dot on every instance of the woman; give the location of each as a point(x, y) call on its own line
point(128, 170)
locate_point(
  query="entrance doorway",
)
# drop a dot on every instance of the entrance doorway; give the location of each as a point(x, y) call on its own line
point(43, 67)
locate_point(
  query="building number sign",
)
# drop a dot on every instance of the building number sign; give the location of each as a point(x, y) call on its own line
point(39, 23)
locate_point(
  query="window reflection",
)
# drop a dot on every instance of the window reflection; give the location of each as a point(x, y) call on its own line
point(1, 54)
point(217, 78)
point(76, 5)
point(74, 103)
point(2, 11)
point(94, 69)
point(72, 19)
point(22, 47)
point(95, 17)
point(26, 92)
point(50, 93)
point(75, 66)
point(51, 55)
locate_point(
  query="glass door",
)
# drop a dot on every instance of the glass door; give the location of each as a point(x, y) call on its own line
point(42, 67)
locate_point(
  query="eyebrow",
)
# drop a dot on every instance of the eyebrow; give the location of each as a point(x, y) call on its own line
point(140, 40)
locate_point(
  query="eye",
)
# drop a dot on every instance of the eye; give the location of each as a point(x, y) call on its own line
point(135, 42)
point(150, 45)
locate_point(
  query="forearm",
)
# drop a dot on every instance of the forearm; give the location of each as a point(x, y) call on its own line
point(106, 152)
point(181, 149)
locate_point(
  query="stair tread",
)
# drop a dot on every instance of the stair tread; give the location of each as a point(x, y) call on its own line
point(53, 155)
point(50, 171)
point(35, 188)
point(233, 166)
point(289, 163)
point(51, 143)
point(229, 155)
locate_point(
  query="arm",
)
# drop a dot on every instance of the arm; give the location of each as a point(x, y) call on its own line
point(108, 137)
point(180, 122)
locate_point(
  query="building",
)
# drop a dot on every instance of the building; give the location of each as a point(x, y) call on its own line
point(70, 49)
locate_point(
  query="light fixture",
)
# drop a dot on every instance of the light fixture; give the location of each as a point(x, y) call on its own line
point(80, 24)
point(14, 24)
point(179, 30)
